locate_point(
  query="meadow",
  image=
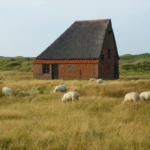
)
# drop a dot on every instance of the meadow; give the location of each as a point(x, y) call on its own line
point(35, 119)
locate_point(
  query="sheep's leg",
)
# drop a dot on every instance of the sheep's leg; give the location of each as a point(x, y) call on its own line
point(10, 95)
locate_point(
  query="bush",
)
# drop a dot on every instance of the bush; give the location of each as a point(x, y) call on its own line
point(17, 63)
point(12, 64)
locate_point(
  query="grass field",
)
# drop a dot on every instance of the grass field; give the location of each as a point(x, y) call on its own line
point(35, 119)
point(134, 64)
point(128, 64)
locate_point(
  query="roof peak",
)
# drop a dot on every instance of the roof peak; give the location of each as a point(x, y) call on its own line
point(93, 20)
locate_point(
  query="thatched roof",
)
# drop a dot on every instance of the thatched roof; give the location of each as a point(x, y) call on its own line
point(82, 40)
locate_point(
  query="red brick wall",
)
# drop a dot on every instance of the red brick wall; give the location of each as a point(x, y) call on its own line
point(104, 69)
point(80, 71)
point(38, 72)
point(106, 65)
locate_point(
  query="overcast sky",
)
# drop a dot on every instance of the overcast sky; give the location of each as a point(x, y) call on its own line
point(28, 27)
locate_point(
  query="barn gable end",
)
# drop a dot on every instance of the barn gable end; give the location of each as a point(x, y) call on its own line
point(86, 49)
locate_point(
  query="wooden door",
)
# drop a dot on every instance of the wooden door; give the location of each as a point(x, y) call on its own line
point(54, 71)
point(116, 71)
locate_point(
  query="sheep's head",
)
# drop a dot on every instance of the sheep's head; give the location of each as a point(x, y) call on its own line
point(62, 101)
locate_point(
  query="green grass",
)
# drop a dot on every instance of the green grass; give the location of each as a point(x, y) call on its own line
point(134, 64)
point(128, 64)
point(16, 64)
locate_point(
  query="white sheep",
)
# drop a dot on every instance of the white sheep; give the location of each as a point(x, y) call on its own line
point(145, 95)
point(92, 79)
point(132, 96)
point(99, 81)
point(70, 96)
point(60, 88)
point(7, 91)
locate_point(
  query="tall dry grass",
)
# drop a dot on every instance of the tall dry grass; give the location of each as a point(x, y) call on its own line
point(34, 119)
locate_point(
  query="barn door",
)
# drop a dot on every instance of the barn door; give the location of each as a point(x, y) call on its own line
point(54, 71)
point(116, 71)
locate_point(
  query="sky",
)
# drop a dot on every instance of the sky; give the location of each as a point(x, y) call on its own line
point(28, 27)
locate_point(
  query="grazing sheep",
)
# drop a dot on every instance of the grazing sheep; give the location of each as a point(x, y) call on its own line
point(7, 91)
point(92, 79)
point(145, 95)
point(70, 96)
point(99, 81)
point(132, 96)
point(60, 88)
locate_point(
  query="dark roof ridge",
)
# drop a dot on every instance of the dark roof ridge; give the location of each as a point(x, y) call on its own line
point(92, 20)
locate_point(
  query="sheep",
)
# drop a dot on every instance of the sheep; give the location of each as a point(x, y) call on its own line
point(60, 88)
point(145, 95)
point(7, 91)
point(132, 96)
point(99, 81)
point(70, 96)
point(92, 79)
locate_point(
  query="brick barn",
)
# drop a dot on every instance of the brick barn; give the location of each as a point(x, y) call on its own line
point(87, 49)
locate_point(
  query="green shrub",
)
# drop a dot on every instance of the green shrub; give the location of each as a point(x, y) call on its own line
point(16, 63)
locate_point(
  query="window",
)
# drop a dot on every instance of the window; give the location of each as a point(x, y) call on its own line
point(109, 53)
point(110, 32)
point(70, 67)
point(45, 68)
point(102, 56)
